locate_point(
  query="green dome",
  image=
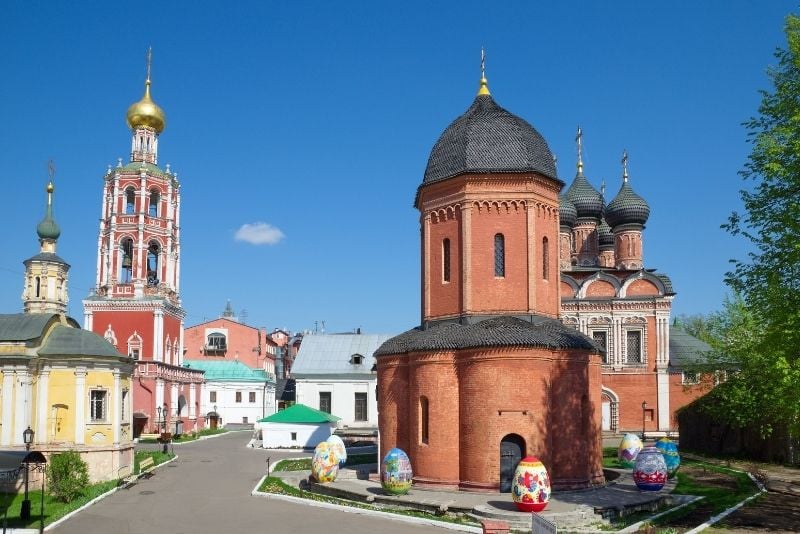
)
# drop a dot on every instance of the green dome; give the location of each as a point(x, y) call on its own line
point(48, 228)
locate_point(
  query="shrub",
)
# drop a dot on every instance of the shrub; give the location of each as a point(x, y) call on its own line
point(67, 475)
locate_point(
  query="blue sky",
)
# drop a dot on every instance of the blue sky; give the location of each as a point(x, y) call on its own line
point(314, 121)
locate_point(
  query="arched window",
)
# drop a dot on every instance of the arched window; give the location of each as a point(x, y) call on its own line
point(130, 201)
point(423, 419)
point(135, 346)
point(545, 259)
point(216, 341)
point(126, 263)
point(446, 260)
point(499, 255)
point(152, 263)
point(152, 209)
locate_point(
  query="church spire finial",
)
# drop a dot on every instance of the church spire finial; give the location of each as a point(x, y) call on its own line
point(483, 89)
point(579, 143)
point(624, 165)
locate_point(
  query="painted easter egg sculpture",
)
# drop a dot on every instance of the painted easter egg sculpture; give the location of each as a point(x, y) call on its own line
point(324, 464)
point(650, 470)
point(531, 488)
point(671, 457)
point(629, 448)
point(337, 445)
point(396, 473)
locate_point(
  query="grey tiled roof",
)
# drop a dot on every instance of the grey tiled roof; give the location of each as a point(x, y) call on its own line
point(604, 235)
point(501, 331)
point(487, 138)
point(667, 283)
point(46, 256)
point(567, 212)
point(684, 348)
point(587, 200)
point(23, 326)
point(68, 341)
point(627, 208)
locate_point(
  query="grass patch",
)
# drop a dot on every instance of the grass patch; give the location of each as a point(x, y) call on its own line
point(304, 464)
point(11, 505)
point(611, 458)
point(157, 456)
point(278, 486)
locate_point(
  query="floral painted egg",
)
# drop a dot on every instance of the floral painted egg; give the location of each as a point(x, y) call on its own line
point(324, 464)
point(396, 472)
point(531, 488)
point(339, 450)
point(671, 457)
point(629, 448)
point(650, 470)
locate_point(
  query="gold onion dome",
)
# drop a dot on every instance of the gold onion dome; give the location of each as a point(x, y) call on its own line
point(146, 113)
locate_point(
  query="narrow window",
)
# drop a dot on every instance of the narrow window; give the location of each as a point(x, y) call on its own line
point(545, 259)
point(634, 348)
point(212, 396)
point(601, 338)
point(135, 346)
point(126, 266)
point(152, 264)
point(123, 412)
point(361, 406)
point(294, 436)
point(251, 396)
point(423, 419)
point(38, 287)
point(446, 260)
point(238, 396)
point(130, 201)
point(244, 420)
point(325, 401)
point(97, 405)
point(499, 255)
point(152, 209)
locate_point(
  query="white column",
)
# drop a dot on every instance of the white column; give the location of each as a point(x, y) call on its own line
point(88, 319)
point(8, 405)
point(158, 335)
point(42, 406)
point(159, 392)
point(22, 408)
point(192, 398)
point(173, 399)
point(116, 407)
point(80, 405)
point(663, 399)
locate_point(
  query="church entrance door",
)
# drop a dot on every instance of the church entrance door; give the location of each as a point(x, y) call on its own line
point(512, 450)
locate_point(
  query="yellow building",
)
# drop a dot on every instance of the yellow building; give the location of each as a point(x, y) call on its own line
point(69, 385)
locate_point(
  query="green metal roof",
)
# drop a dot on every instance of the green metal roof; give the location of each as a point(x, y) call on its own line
point(231, 371)
point(300, 413)
point(69, 341)
point(23, 326)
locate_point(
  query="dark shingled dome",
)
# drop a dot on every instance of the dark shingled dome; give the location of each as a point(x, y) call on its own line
point(627, 208)
point(567, 212)
point(604, 235)
point(587, 200)
point(487, 138)
point(504, 331)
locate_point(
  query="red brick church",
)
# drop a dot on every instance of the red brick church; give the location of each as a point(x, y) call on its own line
point(540, 328)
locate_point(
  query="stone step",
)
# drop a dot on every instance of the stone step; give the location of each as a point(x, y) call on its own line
point(581, 518)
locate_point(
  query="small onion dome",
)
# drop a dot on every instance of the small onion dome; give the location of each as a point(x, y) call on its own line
point(48, 228)
point(604, 235)
point(146, 113)
point(627, 208)
point(567, 212)
point(587, 200)
point(488, 139)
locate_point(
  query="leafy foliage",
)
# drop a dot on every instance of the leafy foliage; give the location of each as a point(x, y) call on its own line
point(68, 475)
point(762, 332)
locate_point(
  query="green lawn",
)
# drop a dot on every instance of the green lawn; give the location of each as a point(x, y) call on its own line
point(304, 464)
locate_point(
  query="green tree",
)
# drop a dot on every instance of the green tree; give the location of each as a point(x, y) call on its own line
point(67, 475)
point(766, 391)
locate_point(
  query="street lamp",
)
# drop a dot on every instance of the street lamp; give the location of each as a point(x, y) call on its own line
point(165, 411)
point(644, 411)
point(158, 418)
point(25, 512)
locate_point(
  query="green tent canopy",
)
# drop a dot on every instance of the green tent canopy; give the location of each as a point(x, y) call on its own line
point(300, 413)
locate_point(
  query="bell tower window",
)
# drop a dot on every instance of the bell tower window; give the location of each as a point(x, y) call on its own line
point(545, 259)
point(152, 209)
point(499, 256)
point(152, 264)
point(130, 201)
point(126, 264)
point(446, 260)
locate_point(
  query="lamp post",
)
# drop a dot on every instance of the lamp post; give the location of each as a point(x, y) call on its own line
point(158, 418)
point(165, 411)
point(216, 417)
point(644, 411)
point(25, 512)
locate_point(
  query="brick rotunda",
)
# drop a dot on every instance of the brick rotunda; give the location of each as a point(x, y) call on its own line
point(491, 375)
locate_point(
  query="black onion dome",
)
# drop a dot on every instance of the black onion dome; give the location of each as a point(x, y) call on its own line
point(567, 212)
point(502, 331)
point(487, 138)
point(587, 200)
point(627, 208)
point(604, 235)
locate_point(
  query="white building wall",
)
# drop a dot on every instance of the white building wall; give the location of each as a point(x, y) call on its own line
point(279, 435)
point(343, 403)
point(236, 412)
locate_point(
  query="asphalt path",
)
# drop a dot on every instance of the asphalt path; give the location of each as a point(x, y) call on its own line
point(207, 490)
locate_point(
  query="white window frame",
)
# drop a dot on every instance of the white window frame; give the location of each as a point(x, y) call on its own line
point(103, 405)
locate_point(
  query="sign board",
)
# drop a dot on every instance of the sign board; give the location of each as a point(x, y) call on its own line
point(540, 525)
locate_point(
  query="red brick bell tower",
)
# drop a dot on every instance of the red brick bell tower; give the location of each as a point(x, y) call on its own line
point(136, 303)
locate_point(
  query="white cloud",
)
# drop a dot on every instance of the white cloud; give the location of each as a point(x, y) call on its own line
point(259, 233)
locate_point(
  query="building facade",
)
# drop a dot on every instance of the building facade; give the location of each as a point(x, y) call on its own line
point(68, 385)
point(136, 302)
point(491, 375)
